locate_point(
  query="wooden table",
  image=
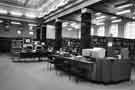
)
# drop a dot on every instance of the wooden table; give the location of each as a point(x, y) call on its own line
point(30, 56)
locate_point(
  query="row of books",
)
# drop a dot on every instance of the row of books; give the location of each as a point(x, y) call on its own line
point(97, 41)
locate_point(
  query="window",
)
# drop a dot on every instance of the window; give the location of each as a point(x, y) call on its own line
point(114, 30)
point(130, 30)
point(50, 32)
point(101, 31)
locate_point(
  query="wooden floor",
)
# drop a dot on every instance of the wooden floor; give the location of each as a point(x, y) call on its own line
point(43, 76)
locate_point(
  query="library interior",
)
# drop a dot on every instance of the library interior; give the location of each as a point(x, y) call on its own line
point(67, 44)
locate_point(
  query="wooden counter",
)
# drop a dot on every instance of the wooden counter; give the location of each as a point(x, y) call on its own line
point(79, 67)
point(111, 71)
point(101, 70)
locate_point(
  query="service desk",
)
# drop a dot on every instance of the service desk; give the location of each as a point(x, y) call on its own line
point(109, 71)
point(98, 70)
point(79, 67)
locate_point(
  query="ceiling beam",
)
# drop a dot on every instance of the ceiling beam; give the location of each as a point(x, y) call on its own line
point(112, 14)
point(104, 8)
point(69, 9)
point(18, 19)
point(75, 16)
point(78, 19)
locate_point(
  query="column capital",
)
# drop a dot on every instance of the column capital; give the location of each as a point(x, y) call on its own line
point(124, 21)
point(43, 25)
point(86, 10)
point(58, 20)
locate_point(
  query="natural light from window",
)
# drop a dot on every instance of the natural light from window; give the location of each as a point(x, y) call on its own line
point(101, 31)
point(130, 30)
point(114, 30)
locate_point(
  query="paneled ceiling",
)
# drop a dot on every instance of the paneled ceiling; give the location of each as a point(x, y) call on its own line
point(38, 8)
point(118, 8)
point(30, 8)
point(25, 3)
point(108, 10)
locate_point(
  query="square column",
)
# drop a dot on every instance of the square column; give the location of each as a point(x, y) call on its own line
point(38, 33)
point(58, 34)
point(43, 35)
point(85, 28)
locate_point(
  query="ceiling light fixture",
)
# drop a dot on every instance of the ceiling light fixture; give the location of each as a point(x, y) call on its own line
point(124, 6)
point(118, 20)
point(97, 14)
point(13, 22)
point(16, 13)
point(19, 32)
point(1, 21)
point(3, 11)
point(94, 21)
point(101, 17)
point(133, 17)
point(31, 33)
point(32, 24)
point(123, 12)
point(30, 15)
point(113, 17)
